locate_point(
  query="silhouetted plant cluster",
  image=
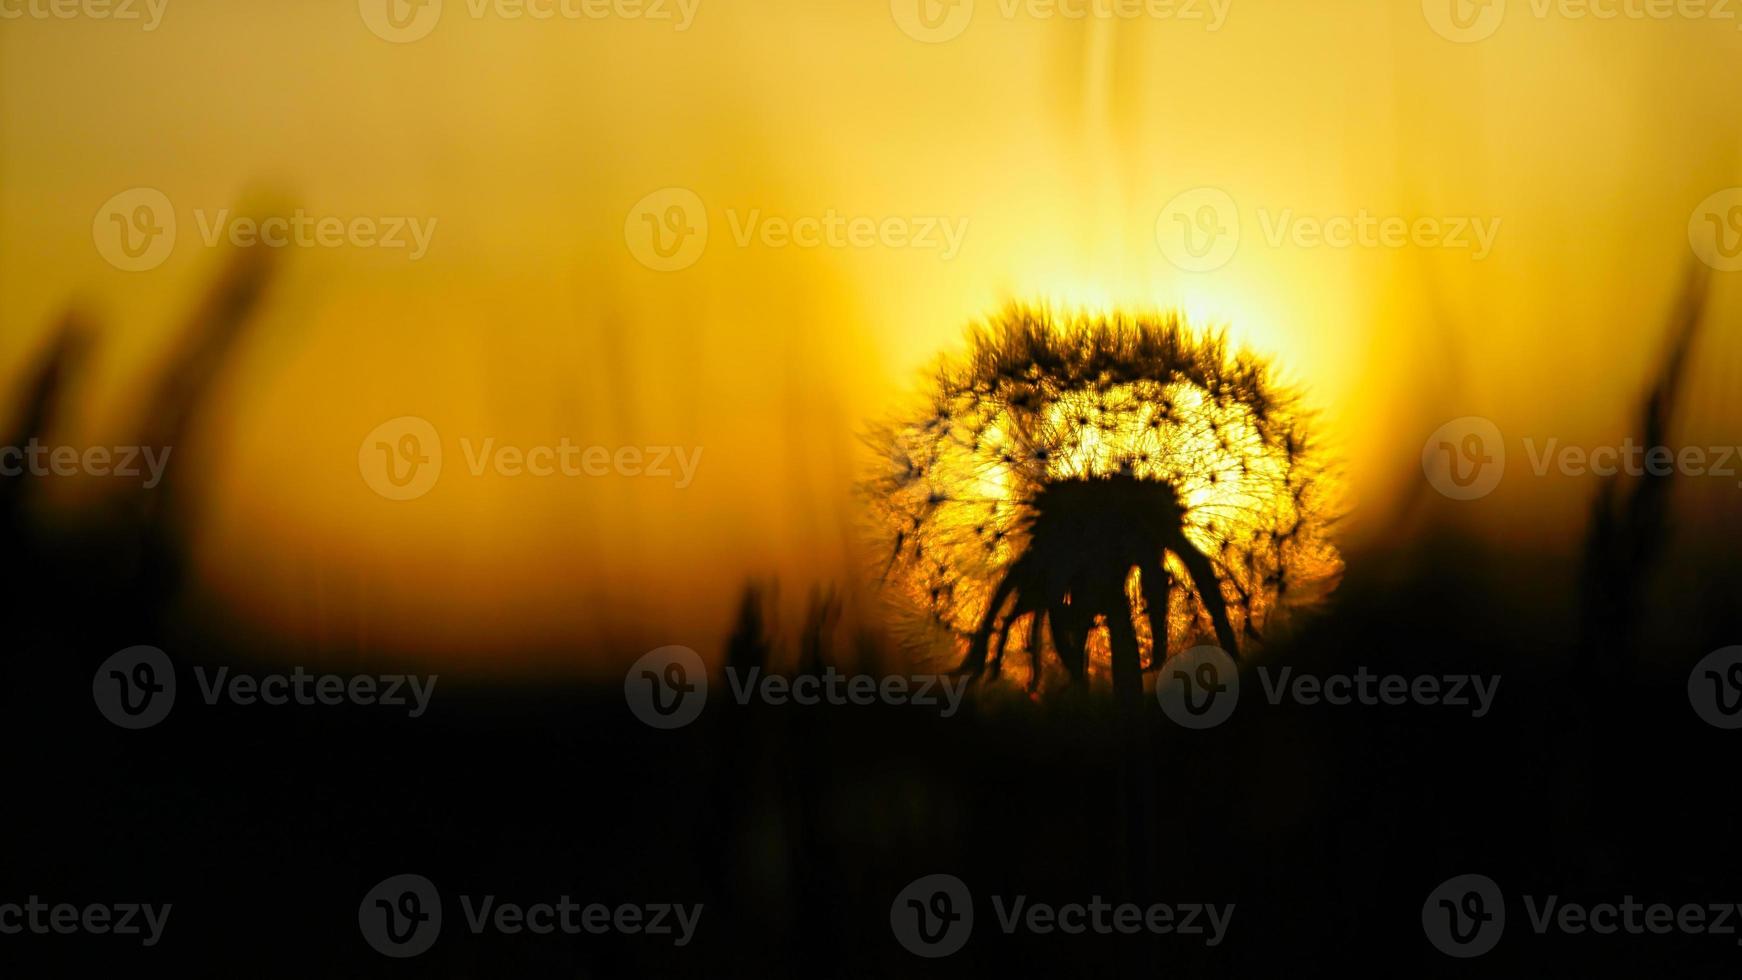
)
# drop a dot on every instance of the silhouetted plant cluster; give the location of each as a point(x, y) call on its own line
point(1103, 487)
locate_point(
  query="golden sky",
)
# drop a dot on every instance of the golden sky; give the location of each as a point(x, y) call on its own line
point(1054, 149)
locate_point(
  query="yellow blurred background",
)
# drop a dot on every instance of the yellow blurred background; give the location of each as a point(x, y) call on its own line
point(1055, 142)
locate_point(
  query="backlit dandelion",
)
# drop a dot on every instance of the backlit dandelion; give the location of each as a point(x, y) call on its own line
point(1106, 488)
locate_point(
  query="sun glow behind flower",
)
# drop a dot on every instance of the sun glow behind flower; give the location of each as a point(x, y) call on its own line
point(1093, 410)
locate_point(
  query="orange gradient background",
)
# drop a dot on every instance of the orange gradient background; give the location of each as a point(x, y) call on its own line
point(1058, 142)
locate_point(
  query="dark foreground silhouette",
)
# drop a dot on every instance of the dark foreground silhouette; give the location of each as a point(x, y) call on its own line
point(796, 827)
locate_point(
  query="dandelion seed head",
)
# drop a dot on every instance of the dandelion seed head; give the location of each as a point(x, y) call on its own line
point(1040, 401)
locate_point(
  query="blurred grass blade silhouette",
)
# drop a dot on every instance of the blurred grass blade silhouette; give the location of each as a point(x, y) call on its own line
point(111, 577)
point(1630, 516)
point(20, 573)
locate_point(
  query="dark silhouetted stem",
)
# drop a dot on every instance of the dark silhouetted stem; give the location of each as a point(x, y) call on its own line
point(1209, 590)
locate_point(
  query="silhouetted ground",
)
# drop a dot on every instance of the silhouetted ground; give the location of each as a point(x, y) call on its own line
point(1326, 827)
point(796, 827)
